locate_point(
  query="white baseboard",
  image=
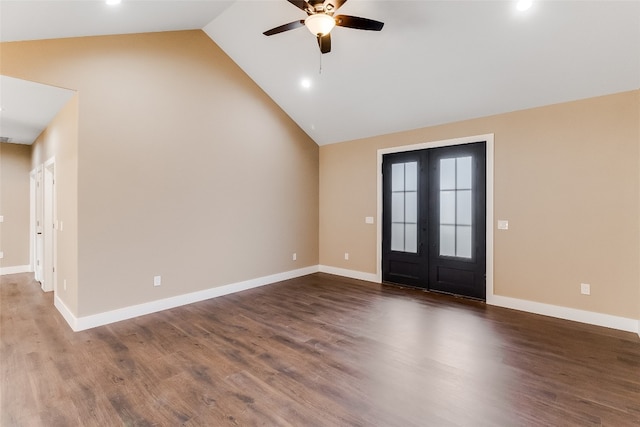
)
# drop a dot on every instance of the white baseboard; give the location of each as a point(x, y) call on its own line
point(66, 313)
point(566, 313)
point(589, 317)
point(88, 322)
point(367, 277)
point(15, 270)
point(92, 321)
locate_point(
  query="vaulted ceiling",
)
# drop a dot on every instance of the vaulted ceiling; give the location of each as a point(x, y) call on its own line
point(434, 61)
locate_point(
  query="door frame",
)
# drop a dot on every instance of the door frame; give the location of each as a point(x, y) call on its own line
point(37, 210)
point(49, 218)
point(38, 251)
point(488, 139)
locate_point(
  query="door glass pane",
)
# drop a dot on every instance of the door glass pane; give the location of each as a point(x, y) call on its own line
point(404, 207)
point(463, 207)
point(411, 207)
point(397, 177)
point(463, 173)
point(411, 176)
point(397, 237)
point(411, 238)
point(447, 174)
point(463, 241)
point(448, 240)
point(447, 207)
point(397, 207)
point(456, 209)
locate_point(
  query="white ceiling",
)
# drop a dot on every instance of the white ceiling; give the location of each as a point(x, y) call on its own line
point(27, 108)
point(434, 61)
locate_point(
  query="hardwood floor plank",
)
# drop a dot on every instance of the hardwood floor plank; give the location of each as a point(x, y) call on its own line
point(320, 350)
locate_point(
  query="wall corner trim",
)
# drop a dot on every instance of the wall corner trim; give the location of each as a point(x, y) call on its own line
point(567, 313)
point(66, 313)
point(352, 274)
point(107, 317)
point(15, 270)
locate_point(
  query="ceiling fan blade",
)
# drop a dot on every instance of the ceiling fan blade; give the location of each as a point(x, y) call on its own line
point(333, 5)
point(358, 23)
point(286, 27)
point(300, 4)
point(324, 43)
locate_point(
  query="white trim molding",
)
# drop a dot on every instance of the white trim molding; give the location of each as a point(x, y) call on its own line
point(105, 318)
point(353, 274)
point(17, 269)
point(567, 313)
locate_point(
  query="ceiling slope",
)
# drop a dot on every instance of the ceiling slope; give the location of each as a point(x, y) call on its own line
point(434, 62)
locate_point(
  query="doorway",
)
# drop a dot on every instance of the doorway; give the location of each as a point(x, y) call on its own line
point(44, 225)
point(434, 219)
point(49, 228)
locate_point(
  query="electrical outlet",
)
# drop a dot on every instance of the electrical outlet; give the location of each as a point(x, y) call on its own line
point(157, 280)
point(1, 218)
point(1, 255)
point(346, 256)
point(585, 289)
point(64, 284)
point(295, 256)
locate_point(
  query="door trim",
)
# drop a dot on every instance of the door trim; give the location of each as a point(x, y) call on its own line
point(488, 138)
point(49, 219)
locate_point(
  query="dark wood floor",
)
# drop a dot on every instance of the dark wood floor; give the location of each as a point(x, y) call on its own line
point(314, 351)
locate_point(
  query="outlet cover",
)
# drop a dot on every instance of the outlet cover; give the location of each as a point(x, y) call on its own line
point(346, 256)
point(1, 255)
point(295, 256)
point(368, 220)
point(585, 289)
point(157, 280)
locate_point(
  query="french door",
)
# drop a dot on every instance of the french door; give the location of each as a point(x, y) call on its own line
point(434, 219)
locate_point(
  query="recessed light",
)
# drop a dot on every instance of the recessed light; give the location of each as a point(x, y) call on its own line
point(524, 4)
point(113, 2)
point(305, 83)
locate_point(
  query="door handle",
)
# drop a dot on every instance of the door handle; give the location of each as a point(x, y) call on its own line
point(39, 233)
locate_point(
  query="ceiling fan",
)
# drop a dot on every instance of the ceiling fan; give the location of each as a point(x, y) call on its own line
point(320, 21)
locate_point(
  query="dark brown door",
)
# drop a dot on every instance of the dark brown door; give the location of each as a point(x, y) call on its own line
point(434, 219)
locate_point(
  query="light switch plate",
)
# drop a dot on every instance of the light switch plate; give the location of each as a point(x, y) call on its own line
point(368, 220)
point(1, 255)
point(1, 218)
point(503, 224)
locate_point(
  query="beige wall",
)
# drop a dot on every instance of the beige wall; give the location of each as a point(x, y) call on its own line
point(60, 142)
point(14, 204)
point(186, 169)
point(566, 178)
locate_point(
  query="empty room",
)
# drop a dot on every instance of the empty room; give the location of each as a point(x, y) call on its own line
point(319, 213)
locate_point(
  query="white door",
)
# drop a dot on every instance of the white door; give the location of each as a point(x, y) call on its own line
point(39, 238)
point(49, 229)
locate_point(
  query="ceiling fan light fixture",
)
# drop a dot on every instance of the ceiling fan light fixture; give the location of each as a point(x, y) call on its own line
point(320, 24)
